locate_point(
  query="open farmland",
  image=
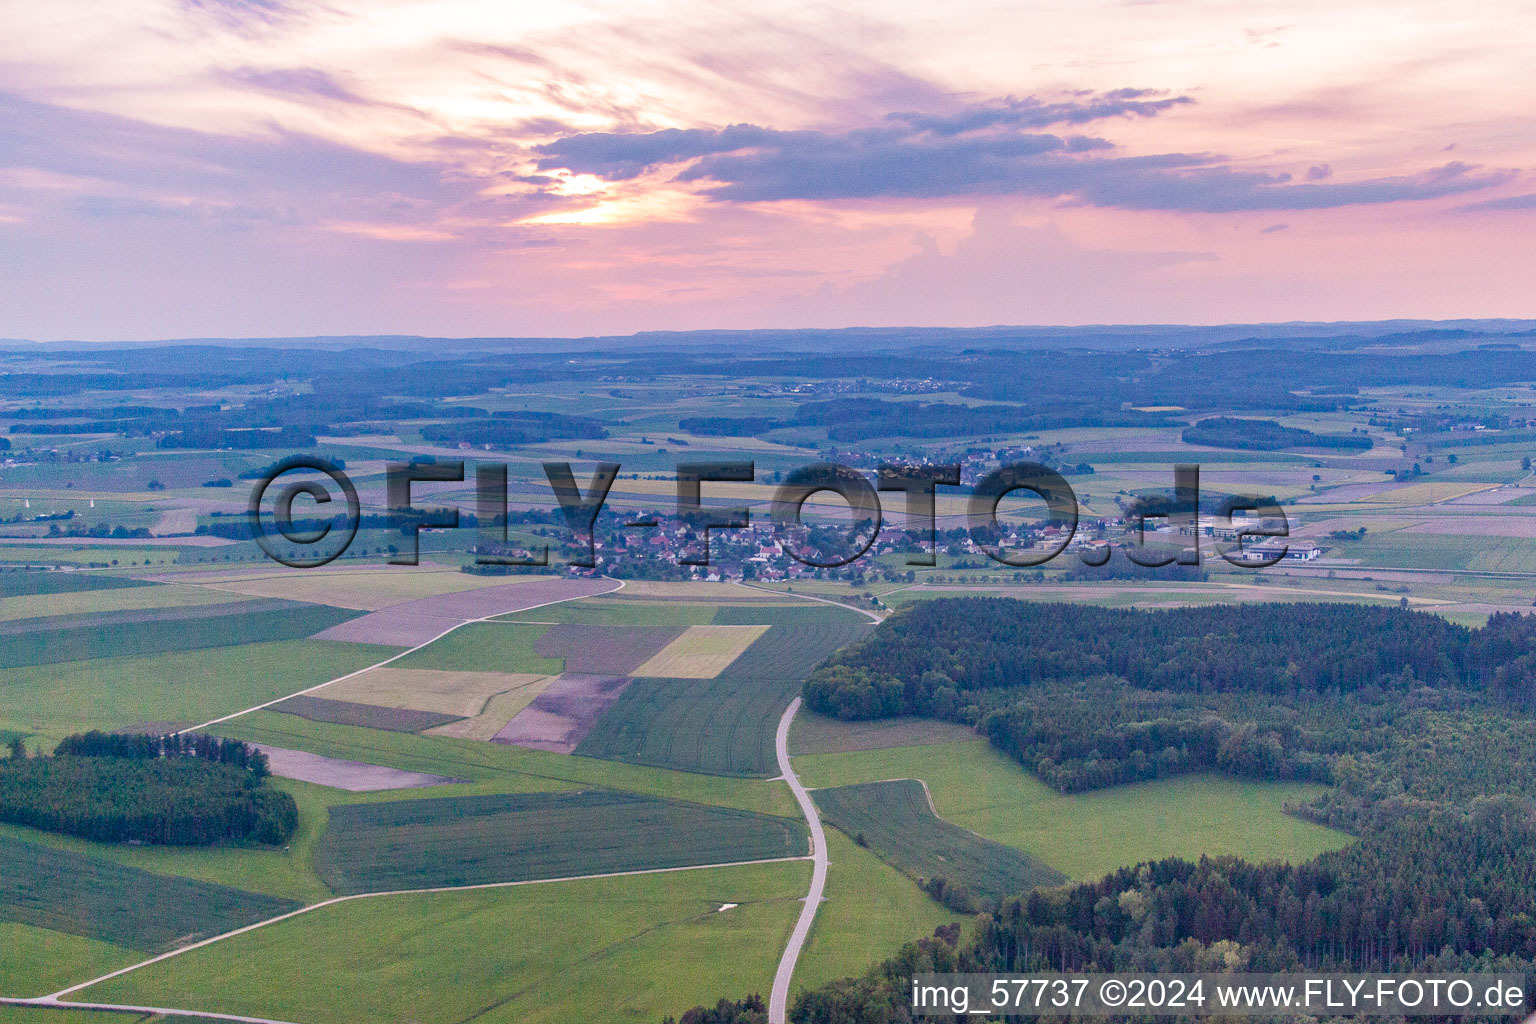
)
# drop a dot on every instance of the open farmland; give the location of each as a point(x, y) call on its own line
point(1086, 835)
point(113, 599)
point(366, 588)
point(894, 819)
point(560, 717)
point(461, 694)
point(101, 899)
point(723, 726)
point(701, 652)
point(19, 583)
point(369, 716)
point(618, 950)
point(416, 622)
point(486, 647)
point(792, 651)
point(606, 650)
point(476, 840)
point(171, 629)
point(353, 776)
point(608, 611)
point(177, 686)
point(35, 961)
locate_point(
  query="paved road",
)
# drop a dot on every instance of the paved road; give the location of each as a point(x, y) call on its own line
point(778, 1005)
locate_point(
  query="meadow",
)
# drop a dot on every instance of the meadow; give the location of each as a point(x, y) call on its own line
point(1088, 834)
point(869, 911)
point(180, 686)
point(36, 961)
point(457, 841)
point(894, 820)
point(623, 950)
point(512, 767)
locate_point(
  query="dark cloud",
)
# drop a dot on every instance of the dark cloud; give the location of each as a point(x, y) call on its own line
point(1274, 229)
point(1321, 172)
point(1031, 112)
point(983, 150)
point(1525, 202)
point(307, 83)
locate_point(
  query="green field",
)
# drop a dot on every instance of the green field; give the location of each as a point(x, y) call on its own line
point(36, 961)
point(180, 686)
point(515, 768)
point(616, 950)
point(16, 583)
point(870, 911)
point(486, 647)
point(792, 650)
point(894, 820)
point(457, 841)
point(721, 726)
point(725, 725)
point(173, 632)
point(113, 599)
point(1086, 835)
point(100, 899)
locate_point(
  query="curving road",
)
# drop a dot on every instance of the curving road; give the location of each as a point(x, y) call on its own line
point(778, 1004)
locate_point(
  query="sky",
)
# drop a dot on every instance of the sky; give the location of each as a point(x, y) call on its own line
point(262, 168)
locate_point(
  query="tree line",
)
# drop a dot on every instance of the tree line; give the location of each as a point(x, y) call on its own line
point(939, 656)
point(182, 790)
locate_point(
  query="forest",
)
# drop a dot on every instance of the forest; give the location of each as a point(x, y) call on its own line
point(939, 657)
point(179, 790)
point(1453, 892)
point(1266, 436)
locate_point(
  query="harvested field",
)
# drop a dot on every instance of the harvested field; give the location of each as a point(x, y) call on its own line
point(1423, 494)
point(720, 726)
point(701, 652)
point(607, 611)
point(506, 838)
point(606, 650)
point(461, 694)
point(179, 629)
point(1521, 526)
point(708, 593)
point(369, 716)
point(560, 718)
point(416, 622)
point(497, 714)
point(101, 899)
point(353, 776)
point(896, 821)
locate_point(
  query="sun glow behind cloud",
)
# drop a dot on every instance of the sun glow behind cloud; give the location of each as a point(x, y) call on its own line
point(494, 168)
